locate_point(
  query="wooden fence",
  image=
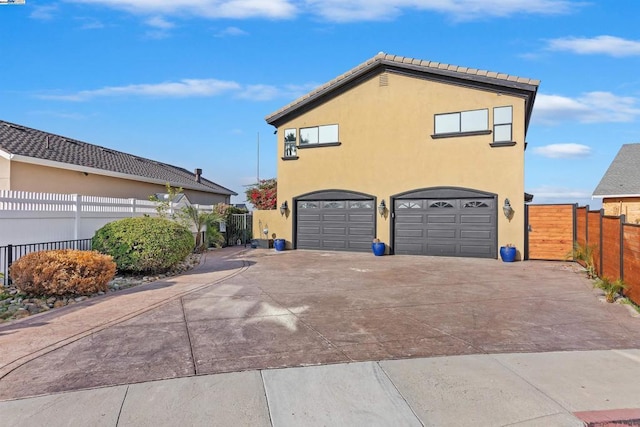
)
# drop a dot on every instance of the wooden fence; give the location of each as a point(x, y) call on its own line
point(553, 229)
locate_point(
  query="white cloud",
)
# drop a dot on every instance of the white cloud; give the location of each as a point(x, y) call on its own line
point(459, 10)
point(189, 88)
point(591, 107)
point(259, 92)
point(234, 9)
point(90, 23)
point(605, 45)
point(43, 13)
point(554, 194)
point(159, 22)
point(565, 151)
point(181, 89)
point(231, 32)
point(340, 10)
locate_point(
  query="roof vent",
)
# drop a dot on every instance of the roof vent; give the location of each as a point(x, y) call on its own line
point(46, 142)
point(198, 175)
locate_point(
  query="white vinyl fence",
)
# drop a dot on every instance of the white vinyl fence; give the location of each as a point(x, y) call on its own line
point(43, 217)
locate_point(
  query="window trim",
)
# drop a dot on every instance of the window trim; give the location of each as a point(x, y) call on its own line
point(460, 132)
point(319, 144)
point(326, 144)
point(503, 142)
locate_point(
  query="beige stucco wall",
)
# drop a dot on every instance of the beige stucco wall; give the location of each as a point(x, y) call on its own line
point(274, 222)
point(387, 149)
point(37, 178)
point(5, 173)
point(627, 206)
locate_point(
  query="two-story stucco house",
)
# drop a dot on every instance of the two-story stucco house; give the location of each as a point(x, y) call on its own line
point(427, 157)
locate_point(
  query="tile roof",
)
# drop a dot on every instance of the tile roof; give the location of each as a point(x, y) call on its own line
point(28, 142)
point(623, 176)
point(418, 65)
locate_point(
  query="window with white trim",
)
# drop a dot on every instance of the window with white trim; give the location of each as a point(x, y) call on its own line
point(503, 124)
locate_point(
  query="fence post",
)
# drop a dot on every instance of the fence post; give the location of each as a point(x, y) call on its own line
point(78, 209)
point(601, 244)
point(622, 221)
point(133, 206)
point(9, 262)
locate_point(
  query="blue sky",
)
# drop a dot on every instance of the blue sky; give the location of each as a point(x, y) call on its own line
point(189, 82)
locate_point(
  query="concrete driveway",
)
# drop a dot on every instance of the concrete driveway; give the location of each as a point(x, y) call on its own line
point(260, 309)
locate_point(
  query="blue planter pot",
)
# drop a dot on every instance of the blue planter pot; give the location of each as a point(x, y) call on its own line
point(279, 244)
point(378, 248)
point(508, 254)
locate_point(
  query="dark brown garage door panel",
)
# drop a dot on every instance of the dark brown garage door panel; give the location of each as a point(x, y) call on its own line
point(335, 225)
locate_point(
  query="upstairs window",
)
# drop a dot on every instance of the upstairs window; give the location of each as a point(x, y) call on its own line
point(290, 142)
point(503, 124)
point(327, 134)
point(463, 122)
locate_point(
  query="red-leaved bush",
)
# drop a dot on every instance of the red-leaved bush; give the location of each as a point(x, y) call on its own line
point(264, 194)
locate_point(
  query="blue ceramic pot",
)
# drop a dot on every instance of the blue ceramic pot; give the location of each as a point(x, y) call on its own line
point(508, 254)
point(378, 248)
point(279, 244)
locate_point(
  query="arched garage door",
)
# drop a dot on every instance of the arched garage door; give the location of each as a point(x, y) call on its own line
point(335, 220)
point(445, 221)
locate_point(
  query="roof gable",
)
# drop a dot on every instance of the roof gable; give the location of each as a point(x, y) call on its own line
point(470, 77)
point(35, 144)
point(623, 176)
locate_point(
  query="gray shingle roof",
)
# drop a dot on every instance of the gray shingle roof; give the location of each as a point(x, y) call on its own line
point(623, 176)
point(445, 71)
point(28, 142)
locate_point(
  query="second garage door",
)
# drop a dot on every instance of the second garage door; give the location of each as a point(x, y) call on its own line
point(447, 226)
point(335, 224)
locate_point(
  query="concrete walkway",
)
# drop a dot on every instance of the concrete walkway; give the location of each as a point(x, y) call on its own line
point(543, 389)
point(265, 337)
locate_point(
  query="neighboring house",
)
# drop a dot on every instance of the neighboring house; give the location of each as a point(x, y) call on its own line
point(436, 148)
point(619, 188)
point(33, 160)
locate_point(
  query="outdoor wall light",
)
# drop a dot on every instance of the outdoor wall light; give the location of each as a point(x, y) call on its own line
point(284, 207)
point(507, 209)
point(382, 207)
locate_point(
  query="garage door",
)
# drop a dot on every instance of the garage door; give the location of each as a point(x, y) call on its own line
point(447, 226)
point(339, 223)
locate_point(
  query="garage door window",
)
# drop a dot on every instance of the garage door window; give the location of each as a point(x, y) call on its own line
point(475, 204)
point(309, 205)
point(360, 205)
point(440, 205)
point(333, 205)
point(410, 205)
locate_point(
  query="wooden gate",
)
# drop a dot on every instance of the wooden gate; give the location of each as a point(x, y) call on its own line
point(550, 231)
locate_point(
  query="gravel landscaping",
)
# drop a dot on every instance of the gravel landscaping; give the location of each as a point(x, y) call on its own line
point(16, 305)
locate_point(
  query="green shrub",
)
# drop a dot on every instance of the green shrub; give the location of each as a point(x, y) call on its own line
point(144, 245)
point(63, 272)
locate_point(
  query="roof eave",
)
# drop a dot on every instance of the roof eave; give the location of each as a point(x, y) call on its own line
point(509, 86)
point(103, 172)
point(612, 196)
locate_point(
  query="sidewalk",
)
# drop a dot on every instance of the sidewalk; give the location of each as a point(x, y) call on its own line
point(541, 389)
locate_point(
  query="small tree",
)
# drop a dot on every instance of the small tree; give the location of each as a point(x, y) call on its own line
point(263, 195)
point(163, 206)
point(190, 215)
